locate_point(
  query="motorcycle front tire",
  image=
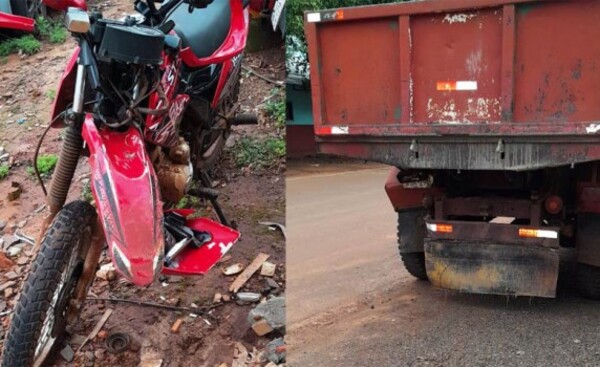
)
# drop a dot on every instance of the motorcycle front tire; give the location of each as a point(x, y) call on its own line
point(39, 318)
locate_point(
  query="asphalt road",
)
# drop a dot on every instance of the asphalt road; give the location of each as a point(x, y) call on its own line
point(350, 302)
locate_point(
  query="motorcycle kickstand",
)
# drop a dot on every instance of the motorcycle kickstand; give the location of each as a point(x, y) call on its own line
point(206, 192)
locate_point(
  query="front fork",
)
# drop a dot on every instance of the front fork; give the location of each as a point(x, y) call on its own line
point(59, 189)
point(69, 155)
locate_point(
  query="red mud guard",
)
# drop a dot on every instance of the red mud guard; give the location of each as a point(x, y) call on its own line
point(199, 261)
point(127, 198)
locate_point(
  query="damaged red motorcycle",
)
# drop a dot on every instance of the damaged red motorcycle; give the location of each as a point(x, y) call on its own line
point(150, 100)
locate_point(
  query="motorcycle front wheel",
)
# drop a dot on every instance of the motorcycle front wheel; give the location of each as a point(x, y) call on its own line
point(39, 319)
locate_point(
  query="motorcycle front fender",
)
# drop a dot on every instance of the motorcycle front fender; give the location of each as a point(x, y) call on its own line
point(11, 21)
point(127, 197)
point(66, 88)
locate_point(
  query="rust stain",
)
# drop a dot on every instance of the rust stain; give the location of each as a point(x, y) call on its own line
point(444, 276)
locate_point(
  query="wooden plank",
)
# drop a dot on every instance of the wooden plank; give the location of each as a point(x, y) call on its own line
point(248, 272)
point(97, 328)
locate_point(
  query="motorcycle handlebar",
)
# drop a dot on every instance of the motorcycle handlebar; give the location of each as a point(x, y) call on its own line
point(198, 3)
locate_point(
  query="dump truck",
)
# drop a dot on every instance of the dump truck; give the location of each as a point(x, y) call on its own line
point(489, 112)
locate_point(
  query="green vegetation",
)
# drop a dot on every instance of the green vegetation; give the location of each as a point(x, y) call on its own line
point(86, 192)
point(26, 44)
point(3, 171)
point(295, 11)
point(258, 153)
point(45, 164)
point(52, 30)
point(187, 202)
point(51, 94)
point(295, 40)
point(276, 110)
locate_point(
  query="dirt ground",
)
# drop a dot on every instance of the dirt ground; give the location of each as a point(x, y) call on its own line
point(27, 85)
point(351, 303)
point(326, 165)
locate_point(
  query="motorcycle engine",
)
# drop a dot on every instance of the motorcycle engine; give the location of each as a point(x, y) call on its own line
point(174, 170)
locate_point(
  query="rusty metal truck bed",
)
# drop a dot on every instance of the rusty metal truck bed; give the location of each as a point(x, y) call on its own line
point(460, 84)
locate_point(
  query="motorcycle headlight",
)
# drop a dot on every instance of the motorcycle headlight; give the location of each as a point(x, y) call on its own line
point(77, 21)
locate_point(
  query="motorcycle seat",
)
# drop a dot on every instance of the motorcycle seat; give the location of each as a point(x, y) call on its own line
point(203, 30)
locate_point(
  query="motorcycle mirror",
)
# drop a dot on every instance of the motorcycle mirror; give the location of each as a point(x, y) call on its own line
point(77, 21)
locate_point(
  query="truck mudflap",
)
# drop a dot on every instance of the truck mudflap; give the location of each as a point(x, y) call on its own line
point(474, 267)
point(490, 258)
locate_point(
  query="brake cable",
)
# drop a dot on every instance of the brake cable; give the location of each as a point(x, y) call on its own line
point(37, 151)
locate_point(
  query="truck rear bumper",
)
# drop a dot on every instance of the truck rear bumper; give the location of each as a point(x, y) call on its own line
point(500, 152)
point(492, 268)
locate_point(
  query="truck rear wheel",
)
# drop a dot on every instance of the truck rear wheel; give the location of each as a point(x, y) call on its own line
point(588, 255)
point(588, 279)
point(411, 233)
point(414, 263)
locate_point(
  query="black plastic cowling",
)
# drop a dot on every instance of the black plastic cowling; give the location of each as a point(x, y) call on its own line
point(132, 44)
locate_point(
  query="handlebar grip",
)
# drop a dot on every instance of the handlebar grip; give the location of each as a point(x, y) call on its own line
point(199, 3)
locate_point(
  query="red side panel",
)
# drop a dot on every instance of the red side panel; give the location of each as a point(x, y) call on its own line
point(11, 21)
point(163, 129)
point(66, 88)
point(223, 79)
point(125, 189)
point(194, 261)
point(65, 4)
point(233, 45)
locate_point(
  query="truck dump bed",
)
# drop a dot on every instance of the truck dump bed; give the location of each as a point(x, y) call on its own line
point(460, 84)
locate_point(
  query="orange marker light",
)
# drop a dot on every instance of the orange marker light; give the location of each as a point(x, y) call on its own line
point(525, 232)
point(456, 85)
point(444, 228)
point(440, 228)
point(537, 233)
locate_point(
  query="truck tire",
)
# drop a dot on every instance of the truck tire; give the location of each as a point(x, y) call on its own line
point(411, 233)
point(49, 286)
point(588, 279)
point(414, 263)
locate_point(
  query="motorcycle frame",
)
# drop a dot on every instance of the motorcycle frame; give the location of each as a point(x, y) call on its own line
point(137, 254)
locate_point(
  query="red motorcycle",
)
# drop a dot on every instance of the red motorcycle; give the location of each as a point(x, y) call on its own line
point(150, 100)
point(19, 14)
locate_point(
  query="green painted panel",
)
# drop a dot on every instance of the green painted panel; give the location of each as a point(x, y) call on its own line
point(299, 105)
